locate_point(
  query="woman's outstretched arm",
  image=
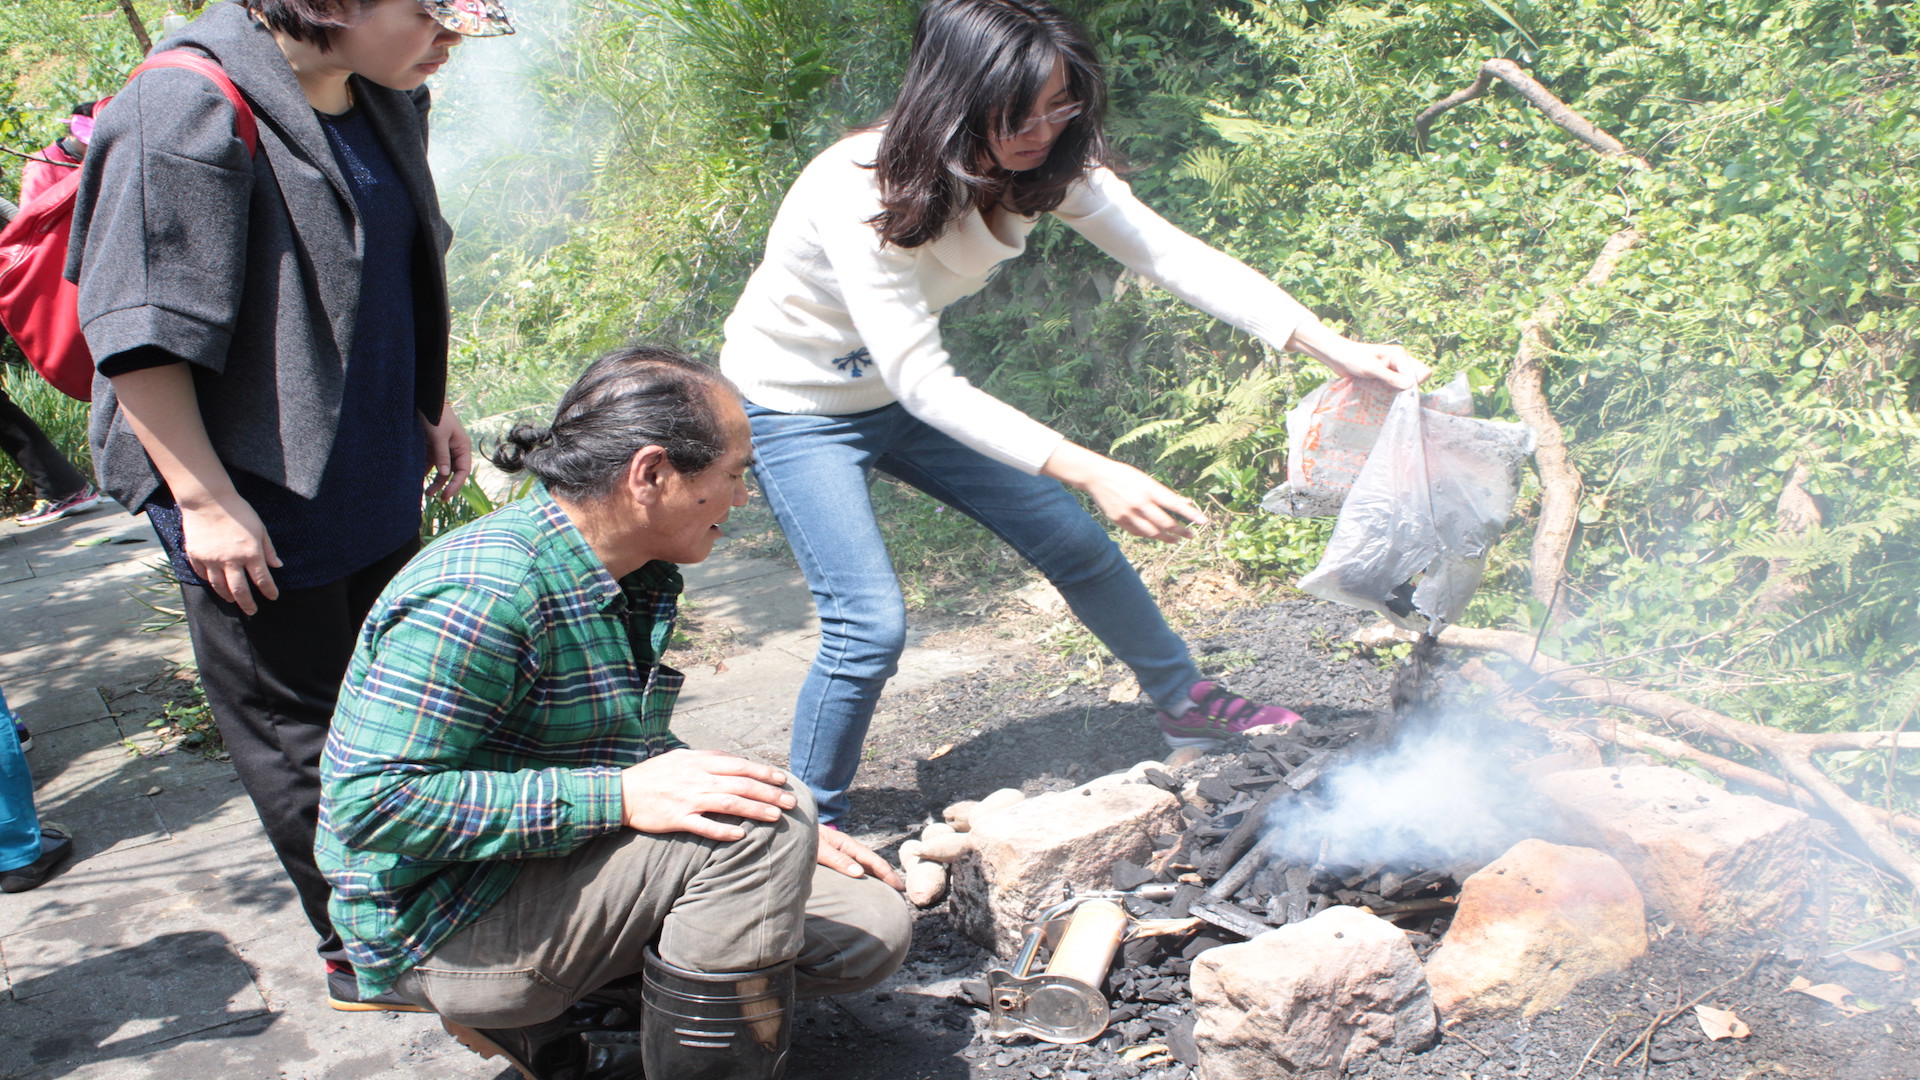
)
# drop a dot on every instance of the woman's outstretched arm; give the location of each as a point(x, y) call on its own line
point(1105, 211)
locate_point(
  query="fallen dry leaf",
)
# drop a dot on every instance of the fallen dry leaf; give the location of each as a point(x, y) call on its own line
point(1877, 960)
point(719, 667)
point(944, 750)
point(1832, 993)
point(1720, 1023)
point(1140, 1053)
point(1125, 691)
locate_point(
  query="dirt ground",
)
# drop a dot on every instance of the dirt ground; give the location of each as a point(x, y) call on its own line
point(1036, 724)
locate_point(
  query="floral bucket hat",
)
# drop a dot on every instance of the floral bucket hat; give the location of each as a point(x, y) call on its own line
point(471, 18)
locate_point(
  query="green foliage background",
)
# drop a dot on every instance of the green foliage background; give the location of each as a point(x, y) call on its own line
point(613, 169)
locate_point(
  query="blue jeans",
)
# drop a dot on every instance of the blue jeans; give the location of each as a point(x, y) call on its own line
point(19, 825)
point(814, 472)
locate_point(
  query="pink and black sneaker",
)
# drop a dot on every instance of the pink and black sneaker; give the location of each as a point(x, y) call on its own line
point(1217, 714)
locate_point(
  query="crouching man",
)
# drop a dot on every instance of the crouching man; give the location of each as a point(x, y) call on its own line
point(515, 838)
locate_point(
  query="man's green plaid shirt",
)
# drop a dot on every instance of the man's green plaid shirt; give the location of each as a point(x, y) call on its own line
point(500, 684)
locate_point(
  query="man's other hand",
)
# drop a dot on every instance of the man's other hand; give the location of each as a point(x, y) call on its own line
point(841, 852)
point(678, 791)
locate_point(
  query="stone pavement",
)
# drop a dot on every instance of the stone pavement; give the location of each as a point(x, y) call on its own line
point(172, 946)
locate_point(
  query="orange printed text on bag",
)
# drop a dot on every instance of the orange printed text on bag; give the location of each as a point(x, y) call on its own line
point(38, 305)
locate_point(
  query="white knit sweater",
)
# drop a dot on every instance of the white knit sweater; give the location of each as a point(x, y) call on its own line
point(835, 322)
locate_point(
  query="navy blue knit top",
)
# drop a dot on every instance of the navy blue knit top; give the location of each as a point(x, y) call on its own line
point(368, 503)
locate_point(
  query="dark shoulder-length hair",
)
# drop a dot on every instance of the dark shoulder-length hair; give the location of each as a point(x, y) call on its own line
point(629, 399)
point(975, 73)
point(311, 21)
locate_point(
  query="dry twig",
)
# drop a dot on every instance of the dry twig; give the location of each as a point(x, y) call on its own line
point(1667, 1017)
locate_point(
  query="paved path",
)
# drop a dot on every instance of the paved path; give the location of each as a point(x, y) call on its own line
point(172, 945)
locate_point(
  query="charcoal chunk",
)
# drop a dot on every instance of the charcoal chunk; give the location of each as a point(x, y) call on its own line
point(1162, 779)
point(1216, 790)
point(1129, 875)
point(1201, 943)
point(1181, 1045)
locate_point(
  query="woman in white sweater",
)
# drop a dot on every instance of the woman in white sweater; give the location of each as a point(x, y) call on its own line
point(836, 345)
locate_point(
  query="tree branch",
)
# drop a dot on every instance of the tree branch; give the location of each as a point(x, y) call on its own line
point(1794, 752)
point(1629, 737)
point(1536, 95)
point(1560, 483)
point(139, 28)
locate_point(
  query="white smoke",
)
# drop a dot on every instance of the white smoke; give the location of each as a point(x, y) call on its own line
point(1437, 797)
point(513, 135)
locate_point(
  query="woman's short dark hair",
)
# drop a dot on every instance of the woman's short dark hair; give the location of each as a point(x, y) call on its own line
point(629, 399)
point(311, 21)
point(976, 70)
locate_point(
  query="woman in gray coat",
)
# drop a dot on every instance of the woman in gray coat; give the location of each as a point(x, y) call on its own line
point(270, 334)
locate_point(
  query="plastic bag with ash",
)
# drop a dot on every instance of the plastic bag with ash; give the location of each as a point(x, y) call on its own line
point(1425, 509)
point(1329, 435)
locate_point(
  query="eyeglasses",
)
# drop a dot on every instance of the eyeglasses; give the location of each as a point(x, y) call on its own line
point(1058, 116)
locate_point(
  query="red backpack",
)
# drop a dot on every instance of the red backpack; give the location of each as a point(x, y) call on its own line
point(38, 305)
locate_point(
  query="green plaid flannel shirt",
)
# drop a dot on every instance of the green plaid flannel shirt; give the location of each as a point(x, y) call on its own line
point(500, 684)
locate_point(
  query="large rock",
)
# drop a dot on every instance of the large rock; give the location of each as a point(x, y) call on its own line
point(1534, 924)
point(1023, 858)
point(1710, 860)
point(1314, 995)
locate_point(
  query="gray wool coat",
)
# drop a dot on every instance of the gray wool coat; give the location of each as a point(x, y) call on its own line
point(249, 269)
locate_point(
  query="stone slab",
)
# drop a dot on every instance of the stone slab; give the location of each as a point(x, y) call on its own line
point(204, 797)
point(238, 861)
point(724, 569)
point(100, 828)
point(14, 567)
point(91, 762)
point(103, 994)
point(50, 710)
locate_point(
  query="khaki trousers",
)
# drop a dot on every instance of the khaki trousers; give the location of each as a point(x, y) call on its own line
point(570, 925)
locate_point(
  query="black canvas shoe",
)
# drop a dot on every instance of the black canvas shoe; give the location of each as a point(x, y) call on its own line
point(56, 845)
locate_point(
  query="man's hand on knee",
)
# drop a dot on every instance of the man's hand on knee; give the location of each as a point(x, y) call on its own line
point(678, 790)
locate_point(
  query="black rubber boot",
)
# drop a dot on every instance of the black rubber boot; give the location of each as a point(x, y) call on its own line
point(731, 1026)
point(613, 1051)
point(551, 1050)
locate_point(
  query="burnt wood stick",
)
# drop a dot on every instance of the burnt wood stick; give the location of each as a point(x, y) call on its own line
point(1309, 770)
point(1250, 864)
point(1408, 907)
point(1299, 879)
point(1231, 918)
point(1228, 851)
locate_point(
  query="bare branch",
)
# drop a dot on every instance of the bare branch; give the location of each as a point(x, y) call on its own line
point(1560, 483)
point(1629, 737)
point(1536, 95)
point(1794, 752)
point(139, 28)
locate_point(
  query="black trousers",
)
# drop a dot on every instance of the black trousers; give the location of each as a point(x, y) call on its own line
point(52, 475)
point(271, 680)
